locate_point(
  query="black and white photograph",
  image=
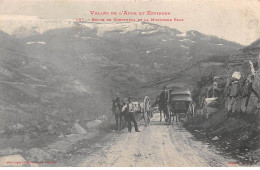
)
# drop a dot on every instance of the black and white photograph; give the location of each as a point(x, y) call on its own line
point(129, 83)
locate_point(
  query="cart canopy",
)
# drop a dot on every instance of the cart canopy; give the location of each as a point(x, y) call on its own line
point(180, 96)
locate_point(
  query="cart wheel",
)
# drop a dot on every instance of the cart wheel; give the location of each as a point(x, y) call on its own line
point(146, 110)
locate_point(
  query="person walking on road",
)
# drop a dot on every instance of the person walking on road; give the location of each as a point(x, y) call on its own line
point(131, 116)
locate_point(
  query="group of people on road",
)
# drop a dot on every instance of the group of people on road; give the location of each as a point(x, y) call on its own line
point(128, 109)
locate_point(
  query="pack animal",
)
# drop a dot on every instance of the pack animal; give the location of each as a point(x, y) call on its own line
point(116, 109)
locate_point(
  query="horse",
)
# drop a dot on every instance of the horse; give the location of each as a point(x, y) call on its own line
point(116, 108)
point(161, 108)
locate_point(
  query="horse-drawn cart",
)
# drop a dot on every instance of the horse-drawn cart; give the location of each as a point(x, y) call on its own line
point(180, 105)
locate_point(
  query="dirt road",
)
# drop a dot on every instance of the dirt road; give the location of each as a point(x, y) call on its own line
point(156, 145)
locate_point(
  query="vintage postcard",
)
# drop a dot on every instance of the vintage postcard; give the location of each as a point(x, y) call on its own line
point(129, 83)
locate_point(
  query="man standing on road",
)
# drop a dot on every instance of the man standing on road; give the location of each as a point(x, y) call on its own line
point(163, 100)
point(131, 109)
point(164, 96)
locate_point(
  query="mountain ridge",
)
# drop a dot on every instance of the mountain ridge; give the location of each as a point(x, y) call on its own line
point(75, 72)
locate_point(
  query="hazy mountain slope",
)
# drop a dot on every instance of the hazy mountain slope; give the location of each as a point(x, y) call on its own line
point(250, 52)
point(226, 64)
point(156, 50)
point(74, 72)
point(45, 81)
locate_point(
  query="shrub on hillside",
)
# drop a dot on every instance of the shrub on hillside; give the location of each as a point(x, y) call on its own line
point(201, 84)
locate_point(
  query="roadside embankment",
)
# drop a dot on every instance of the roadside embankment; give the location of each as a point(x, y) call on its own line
point(233, 125)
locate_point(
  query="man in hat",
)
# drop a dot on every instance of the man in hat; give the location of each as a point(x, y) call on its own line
point(164, 96)
point(131, 116)
point(163, 101)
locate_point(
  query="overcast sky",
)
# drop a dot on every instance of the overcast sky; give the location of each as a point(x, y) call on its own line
point(235, 20)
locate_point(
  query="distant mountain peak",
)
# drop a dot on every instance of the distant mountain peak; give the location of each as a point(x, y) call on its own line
point(253, 47)
point(193, 33)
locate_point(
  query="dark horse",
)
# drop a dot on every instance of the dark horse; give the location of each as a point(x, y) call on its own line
point(116, 108)
point(162, 108)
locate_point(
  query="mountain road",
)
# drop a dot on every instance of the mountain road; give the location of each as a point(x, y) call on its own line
point(156, 145)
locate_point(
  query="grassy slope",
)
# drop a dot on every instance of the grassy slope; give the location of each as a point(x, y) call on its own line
point(238, 136)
